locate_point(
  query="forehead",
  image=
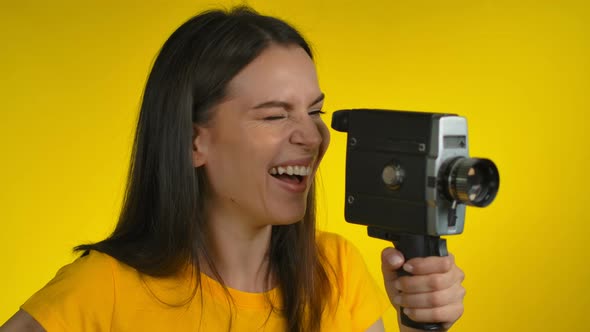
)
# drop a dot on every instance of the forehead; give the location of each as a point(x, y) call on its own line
point(279, 72)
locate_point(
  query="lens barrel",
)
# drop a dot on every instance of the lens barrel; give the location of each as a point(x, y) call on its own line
point(471, 181)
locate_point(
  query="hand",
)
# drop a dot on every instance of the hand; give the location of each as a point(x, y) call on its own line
point(433, 293)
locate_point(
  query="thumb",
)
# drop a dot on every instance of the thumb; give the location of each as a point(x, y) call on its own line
point(391, 260)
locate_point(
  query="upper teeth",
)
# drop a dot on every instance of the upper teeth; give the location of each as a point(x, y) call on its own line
point(291, 170)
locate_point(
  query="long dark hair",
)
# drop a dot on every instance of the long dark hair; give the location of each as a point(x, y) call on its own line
point(162, 225)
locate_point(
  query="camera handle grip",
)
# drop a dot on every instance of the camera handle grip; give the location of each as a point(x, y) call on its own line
point(412, 246)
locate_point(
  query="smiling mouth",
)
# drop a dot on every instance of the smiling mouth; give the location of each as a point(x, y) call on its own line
point(290, 173)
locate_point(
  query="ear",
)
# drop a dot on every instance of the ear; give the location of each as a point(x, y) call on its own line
point(200, 145)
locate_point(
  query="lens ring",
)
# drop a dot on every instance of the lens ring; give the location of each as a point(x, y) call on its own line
point(471, 181)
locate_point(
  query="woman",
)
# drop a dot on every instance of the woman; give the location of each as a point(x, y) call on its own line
point(217, 230)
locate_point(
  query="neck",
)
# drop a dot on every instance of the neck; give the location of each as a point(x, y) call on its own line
point(239, 251)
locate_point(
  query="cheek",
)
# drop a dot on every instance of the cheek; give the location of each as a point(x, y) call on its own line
point(241, 154)
point(325, 133)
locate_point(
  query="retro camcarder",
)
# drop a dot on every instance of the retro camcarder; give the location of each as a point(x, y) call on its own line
point(409, 178)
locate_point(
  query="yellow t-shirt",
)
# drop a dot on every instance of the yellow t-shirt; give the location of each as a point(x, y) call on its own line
point(98, 293)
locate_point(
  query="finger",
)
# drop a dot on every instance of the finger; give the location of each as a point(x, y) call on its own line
point(447, 314)
point(429, 283)
point(442, 298)
point(429, 265)
point(391, 260)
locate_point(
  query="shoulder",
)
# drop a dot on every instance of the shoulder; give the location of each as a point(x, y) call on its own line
point(359, 294)
point(336, 247)
point(86, 273)
point(342, 255)
point(323, 237)
point(327, 240)
point(82, 289)
point(94, 265)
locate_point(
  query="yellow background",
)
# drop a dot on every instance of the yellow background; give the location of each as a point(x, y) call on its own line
point(71, 75)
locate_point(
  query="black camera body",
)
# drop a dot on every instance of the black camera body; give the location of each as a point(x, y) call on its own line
point(410, 172)
point(409, 178)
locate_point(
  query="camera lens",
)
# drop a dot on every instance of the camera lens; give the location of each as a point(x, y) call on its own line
point(470, 181)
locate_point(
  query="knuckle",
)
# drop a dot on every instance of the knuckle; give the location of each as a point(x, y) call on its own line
point(438, 315)
point(463, 292)
point(436, 300)
point(461, 275)
point(447, 263)
point(451, 257)
point(403, 283)
point(436, 282)
point(459, 312)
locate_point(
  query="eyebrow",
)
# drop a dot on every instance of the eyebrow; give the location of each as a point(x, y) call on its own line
point(286, 105)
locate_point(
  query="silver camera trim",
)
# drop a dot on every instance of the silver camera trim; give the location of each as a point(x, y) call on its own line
point(438, 206)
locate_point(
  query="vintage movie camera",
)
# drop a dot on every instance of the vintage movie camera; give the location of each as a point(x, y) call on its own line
point(409, 178)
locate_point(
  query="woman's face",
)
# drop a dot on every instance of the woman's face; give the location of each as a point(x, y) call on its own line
point(263, 146)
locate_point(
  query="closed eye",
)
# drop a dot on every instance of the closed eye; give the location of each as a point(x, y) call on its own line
point(274, 117)
point(316, 112)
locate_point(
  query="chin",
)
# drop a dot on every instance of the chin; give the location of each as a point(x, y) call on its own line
point(283, 218)
point(281, 211)
point(286, 221)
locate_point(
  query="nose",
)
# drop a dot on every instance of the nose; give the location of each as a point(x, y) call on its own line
point(307, 133)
